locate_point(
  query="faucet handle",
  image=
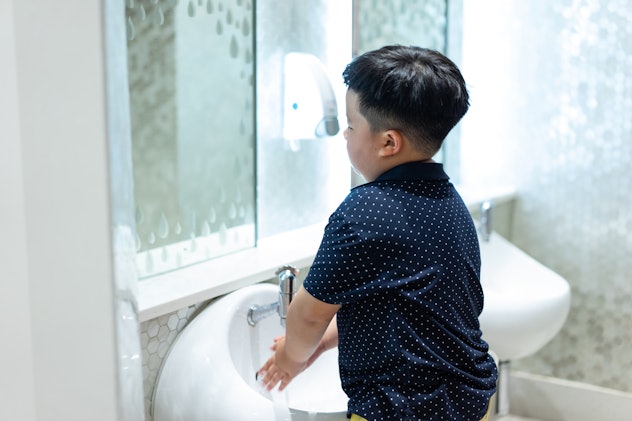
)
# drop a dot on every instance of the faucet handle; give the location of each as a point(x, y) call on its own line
point(286, 275)
point(295, 271)
point(486, 219)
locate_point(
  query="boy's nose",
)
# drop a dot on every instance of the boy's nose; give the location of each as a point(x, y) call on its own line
point(345, 133)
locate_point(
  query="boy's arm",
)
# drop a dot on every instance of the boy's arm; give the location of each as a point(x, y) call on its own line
point(307, 322)
point(308, 319)
point(330, 338)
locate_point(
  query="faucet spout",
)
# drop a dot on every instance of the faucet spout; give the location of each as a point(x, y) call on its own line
point(286, 275)
point(256, 312)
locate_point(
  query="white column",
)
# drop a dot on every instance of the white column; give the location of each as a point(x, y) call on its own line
point(55, 215)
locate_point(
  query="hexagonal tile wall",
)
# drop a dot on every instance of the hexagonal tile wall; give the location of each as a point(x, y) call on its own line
point(156, 337)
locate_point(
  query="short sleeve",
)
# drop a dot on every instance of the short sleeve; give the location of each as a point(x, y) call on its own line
point(357, 256)
point(342, 269)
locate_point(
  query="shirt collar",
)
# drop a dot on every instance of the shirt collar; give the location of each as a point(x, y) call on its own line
point(415, 171)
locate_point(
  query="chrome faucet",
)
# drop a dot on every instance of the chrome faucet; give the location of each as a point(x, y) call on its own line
point(486, 220)
point(286, 275)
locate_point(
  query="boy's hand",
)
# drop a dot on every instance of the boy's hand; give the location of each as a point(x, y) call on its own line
point(279, 369)
point(275, 371)
point(308, 326)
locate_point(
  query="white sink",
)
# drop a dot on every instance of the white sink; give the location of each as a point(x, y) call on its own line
point(209, 373)
point(526, 303)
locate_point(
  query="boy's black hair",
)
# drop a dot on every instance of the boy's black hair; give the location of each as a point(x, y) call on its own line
point(414, 90)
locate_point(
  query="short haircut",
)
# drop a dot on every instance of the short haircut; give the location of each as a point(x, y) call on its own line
point(417, 91)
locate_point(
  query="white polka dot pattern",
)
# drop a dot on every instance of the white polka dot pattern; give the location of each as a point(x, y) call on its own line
point(401, 255)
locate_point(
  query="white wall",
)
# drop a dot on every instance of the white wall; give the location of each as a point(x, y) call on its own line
point(58, 359)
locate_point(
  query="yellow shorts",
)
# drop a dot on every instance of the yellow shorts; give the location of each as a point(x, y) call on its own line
point(355, 417)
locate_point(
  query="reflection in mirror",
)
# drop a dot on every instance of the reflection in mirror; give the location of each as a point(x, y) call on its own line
point(302, 177)
point(192, 129)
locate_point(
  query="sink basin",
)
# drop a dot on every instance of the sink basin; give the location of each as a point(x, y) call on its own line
point(526, 303)
point(209, 373)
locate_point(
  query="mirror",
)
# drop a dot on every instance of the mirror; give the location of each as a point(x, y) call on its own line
point(193, 129)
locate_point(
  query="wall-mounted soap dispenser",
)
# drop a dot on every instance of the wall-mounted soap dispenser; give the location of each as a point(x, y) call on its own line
point(310, 108)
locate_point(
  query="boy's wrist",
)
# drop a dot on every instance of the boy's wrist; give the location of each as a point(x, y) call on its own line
point(287, 357)
point(287, 363)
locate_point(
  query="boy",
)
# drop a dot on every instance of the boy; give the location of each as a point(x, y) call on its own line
point(395, 283)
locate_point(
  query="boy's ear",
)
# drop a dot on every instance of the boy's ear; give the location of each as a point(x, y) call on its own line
point(392, 142)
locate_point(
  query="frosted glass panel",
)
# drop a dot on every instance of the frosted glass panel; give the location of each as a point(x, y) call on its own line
point(191, 78)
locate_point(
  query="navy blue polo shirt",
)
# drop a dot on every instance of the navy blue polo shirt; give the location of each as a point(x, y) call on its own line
point(401, 255)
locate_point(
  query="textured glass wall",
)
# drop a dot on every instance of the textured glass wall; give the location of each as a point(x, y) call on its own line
point(192, 95)
point(551, 112)
point(408, 22)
